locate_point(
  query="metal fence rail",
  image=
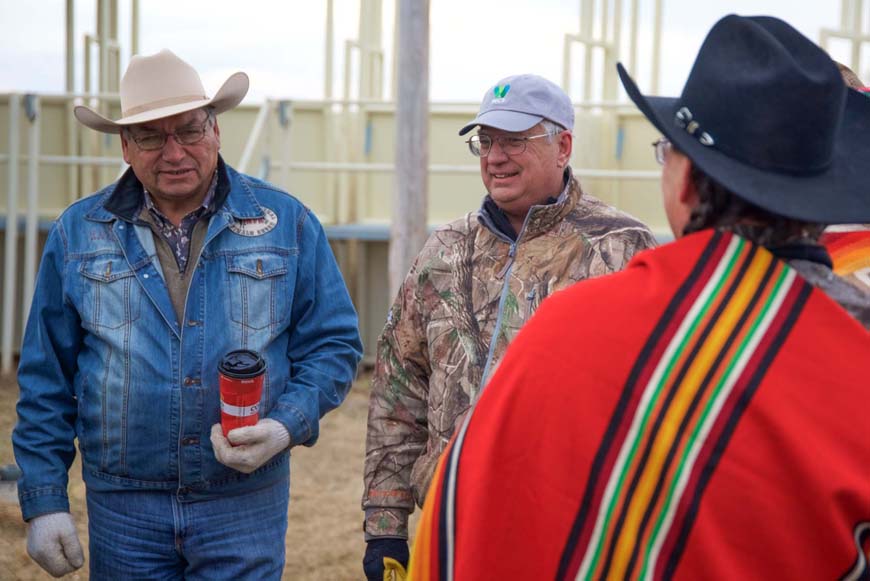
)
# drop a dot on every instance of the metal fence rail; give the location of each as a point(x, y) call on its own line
point(27, 109)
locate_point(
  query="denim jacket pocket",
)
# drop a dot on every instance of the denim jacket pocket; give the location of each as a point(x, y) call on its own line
point(111, 295)
point(259, 289)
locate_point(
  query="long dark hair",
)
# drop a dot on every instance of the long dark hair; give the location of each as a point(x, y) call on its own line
point(719, 208)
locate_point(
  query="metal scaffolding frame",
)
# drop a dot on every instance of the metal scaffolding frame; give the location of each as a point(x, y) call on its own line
point(600, 29)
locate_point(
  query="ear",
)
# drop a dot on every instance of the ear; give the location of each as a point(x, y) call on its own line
point(125, 147)
point(566, 145)
point(217, 133)
point(686, 191)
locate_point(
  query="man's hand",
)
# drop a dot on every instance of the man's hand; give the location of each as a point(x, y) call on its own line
point(246, 449)
point(379, 549)
point(53, 543)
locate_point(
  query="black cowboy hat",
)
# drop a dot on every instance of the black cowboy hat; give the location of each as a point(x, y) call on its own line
point(765, 114)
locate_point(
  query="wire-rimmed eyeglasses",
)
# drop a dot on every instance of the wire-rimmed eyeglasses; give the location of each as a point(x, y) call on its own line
point(188, 135)
point(480, 145)
point(661, 146)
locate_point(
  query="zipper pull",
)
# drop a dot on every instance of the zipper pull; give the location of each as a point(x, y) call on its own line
point(510, 261)
point(530, 305)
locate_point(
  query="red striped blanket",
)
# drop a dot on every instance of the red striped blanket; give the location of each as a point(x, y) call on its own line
point(850, 253)
point(701, 415)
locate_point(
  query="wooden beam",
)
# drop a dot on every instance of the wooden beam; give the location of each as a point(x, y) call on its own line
point(410, 195)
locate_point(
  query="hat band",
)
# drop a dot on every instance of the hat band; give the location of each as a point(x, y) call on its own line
point(162, 103)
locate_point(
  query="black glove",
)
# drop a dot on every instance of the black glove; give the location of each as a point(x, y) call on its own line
point(377, 549)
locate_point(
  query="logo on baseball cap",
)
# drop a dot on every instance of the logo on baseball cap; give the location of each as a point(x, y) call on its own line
point(520, 102)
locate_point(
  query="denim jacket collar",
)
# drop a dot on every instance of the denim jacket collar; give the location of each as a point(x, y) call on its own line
point(123, 200)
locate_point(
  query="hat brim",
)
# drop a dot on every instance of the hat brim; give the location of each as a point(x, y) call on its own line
point(504, 120)
point(227, 97)
point(837, 195)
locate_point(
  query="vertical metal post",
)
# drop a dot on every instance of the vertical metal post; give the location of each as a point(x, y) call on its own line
point(70, 45)
point(566, 64)
point(864, 27)
point(586, 18)
point(328, 124)
point(87, 66)
point(845, 15)
point(343, 205)
point(11, 240)
point(348, 68)
point(267, 148)
point(347, 138)
point(103, 34)
point(89, 176)
point(363, 34)
point(375, 52)
point(285, 119)
point(72, 170)
point(32, 219)
point(657, 48)
point(612, 51)
point(370, 78)
point(114, 59)
point(632, 39)
point(394, 87)
point(856, 31)
point(134, 27)
point(330, 49)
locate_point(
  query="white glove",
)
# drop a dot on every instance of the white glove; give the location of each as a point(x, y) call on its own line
point(246, 449)
point(53, 543)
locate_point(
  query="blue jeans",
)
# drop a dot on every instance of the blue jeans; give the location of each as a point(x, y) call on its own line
point(154, 535)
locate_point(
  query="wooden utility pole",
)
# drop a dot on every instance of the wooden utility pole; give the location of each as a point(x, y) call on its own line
point(410, 194)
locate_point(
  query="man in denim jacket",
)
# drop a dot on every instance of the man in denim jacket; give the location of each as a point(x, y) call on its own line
point(143, 288)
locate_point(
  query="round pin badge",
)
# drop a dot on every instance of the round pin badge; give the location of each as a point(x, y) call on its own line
point(255, 226)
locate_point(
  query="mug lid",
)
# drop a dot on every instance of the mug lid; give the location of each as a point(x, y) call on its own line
point(242, 364)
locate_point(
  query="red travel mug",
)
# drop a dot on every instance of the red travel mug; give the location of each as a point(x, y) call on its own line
point(241, 386)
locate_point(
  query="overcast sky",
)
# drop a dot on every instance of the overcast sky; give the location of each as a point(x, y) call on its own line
point(280, 43)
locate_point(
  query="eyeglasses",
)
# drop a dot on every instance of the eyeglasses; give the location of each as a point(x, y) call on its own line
point(662, 146)
point(480, 145)
point(185, 136)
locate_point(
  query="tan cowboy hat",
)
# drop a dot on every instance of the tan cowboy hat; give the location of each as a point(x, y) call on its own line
point(163, 85)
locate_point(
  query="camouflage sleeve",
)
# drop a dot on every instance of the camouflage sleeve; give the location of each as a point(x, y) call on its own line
point(616, 249)
point(397, 422)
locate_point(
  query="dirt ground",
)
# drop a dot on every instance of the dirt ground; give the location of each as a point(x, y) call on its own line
point(324, 538)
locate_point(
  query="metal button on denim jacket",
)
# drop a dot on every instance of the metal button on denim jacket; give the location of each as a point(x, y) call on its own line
point(106, 360)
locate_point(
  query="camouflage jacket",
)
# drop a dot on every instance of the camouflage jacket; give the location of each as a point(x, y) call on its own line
point(440, 341)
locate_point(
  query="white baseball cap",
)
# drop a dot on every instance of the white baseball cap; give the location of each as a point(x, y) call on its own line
point(520, 102)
